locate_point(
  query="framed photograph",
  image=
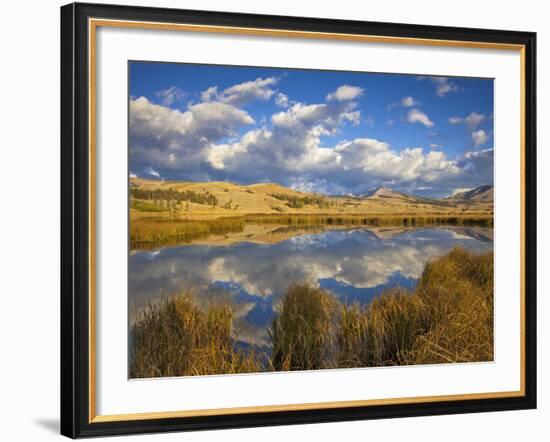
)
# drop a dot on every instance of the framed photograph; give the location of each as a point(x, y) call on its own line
point(275, 220)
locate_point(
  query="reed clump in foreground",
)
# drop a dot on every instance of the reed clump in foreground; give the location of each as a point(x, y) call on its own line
point(303, 333)
point(175, 337)
point(447, 318)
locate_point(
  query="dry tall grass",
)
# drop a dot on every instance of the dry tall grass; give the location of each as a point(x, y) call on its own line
point(384, 333)
point(448, 318)
point(151, 232)
point(175, 337)
point(484, 219)
point(457, 292)
point(157, 231)
point(303, 333)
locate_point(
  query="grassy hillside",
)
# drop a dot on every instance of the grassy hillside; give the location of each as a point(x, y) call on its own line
point(207, 200)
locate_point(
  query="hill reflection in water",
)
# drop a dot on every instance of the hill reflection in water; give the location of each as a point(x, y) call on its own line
point(355, 264)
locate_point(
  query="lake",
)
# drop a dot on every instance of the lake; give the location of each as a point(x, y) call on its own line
point(252, 269)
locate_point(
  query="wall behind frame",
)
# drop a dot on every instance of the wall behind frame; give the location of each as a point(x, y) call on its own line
point(29, 180)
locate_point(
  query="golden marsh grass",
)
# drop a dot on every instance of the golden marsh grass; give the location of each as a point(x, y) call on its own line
point(154, 232)
point(175, 337)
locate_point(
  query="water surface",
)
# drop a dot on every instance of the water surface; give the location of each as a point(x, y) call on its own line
point(355, 264)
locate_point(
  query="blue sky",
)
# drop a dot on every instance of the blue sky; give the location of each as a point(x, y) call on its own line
point(325, 131)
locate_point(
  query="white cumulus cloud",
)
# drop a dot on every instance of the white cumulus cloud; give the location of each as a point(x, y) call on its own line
point(455, 120)
point(443, 86)
point(162, 137)
point(472, 121)
point(242, 93)
point(281, 100)
point(213, 140)
point(170, 95)
point(417, 116)
point(345, 92)
point(479, 137)
point(409, 102)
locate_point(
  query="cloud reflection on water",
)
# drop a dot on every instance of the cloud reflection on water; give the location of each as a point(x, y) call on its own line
point(354, 264)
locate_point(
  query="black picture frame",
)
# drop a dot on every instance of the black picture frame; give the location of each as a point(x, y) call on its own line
point(75, 221)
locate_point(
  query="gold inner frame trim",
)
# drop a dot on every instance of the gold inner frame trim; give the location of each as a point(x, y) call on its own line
point(93, 24)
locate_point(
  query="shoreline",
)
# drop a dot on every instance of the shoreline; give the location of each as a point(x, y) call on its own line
point(150, 233)
point(136, 216)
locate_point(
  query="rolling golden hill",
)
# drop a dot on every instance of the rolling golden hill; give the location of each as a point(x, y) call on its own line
point(203, 200)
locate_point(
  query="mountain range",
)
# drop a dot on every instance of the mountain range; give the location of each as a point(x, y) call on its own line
point(479, 194)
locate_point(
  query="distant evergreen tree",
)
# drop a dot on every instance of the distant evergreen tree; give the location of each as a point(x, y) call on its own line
point(174, 195)
point(297, 202)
